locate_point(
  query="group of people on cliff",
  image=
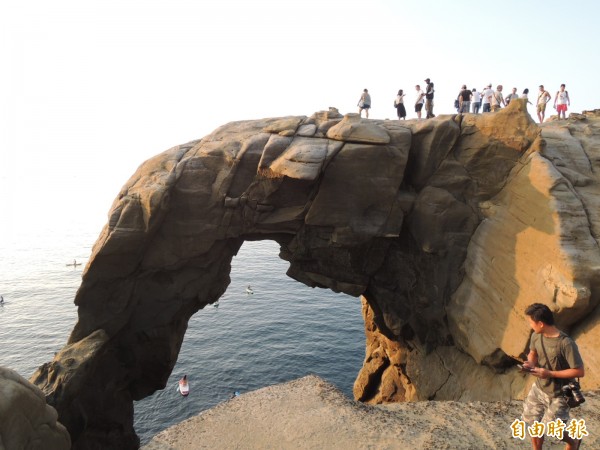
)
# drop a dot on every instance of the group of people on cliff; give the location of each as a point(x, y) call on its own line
point(472, 100)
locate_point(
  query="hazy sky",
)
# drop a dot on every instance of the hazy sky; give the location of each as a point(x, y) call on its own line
point(91, 89)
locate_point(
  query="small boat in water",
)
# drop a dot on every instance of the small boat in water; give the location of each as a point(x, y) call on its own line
point(249, 290)
point(184, 386)
point(74, 263)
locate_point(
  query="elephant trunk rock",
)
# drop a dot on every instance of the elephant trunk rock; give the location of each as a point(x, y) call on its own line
point(447, 228)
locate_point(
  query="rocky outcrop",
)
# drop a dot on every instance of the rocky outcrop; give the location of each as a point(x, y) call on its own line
point(310, 413)
point(446, 227)
point(26, 421)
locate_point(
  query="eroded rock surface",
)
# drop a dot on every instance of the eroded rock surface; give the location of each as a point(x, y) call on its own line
point(26, 421)
point(447, 227)
point(310, 413)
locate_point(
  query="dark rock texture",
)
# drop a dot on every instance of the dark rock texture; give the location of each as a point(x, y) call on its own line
point(447, 227)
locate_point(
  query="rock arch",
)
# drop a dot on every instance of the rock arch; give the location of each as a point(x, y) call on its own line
point(403, 214)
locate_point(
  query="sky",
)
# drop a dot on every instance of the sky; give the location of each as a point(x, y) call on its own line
point(91, 89)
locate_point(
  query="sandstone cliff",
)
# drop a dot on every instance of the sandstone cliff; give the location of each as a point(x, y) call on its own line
point(26, 421)
point(448, 228)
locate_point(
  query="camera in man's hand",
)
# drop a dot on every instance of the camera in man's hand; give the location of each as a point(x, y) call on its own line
point(572, 393)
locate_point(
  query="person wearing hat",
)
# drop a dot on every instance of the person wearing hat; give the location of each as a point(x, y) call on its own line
point(486, 101)
point(429, 98)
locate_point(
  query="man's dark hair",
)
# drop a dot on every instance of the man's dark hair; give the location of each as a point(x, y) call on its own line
point(540, 313)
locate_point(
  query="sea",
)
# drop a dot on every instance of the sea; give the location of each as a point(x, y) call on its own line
point(282, 331)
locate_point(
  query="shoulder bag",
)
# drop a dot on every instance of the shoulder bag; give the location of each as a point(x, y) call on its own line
point(569, 388)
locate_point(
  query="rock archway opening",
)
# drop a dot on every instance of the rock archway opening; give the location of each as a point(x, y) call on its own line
point(280, 331)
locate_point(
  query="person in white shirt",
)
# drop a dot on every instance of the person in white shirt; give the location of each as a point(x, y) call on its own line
point(399, 104)
point(420, 100)
point(486, 101)
point(561, 101)
point(475, 101)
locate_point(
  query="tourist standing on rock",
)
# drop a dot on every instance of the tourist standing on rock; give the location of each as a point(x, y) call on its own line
point(513, 95)
point(498, 99)
point(420, 100)
point(464, 100)
point(561, 101)
point(555, 361)
point(476, 100)
point(525, 95)
point(364, 103)
point(399, 104)
point(487, 98)
point(543, 98)
point(429, 98)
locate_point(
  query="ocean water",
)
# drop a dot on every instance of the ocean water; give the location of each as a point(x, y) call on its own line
point(284, 330)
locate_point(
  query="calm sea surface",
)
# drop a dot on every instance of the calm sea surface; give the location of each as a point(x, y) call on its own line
point(283, 331)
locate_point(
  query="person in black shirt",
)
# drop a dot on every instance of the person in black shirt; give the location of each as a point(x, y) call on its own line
point(429, 98)
point(464, 100)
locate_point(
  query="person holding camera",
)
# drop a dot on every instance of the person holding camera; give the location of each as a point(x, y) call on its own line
point(555, 361)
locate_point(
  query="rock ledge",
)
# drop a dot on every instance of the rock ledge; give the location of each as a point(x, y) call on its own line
point(310, 413)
